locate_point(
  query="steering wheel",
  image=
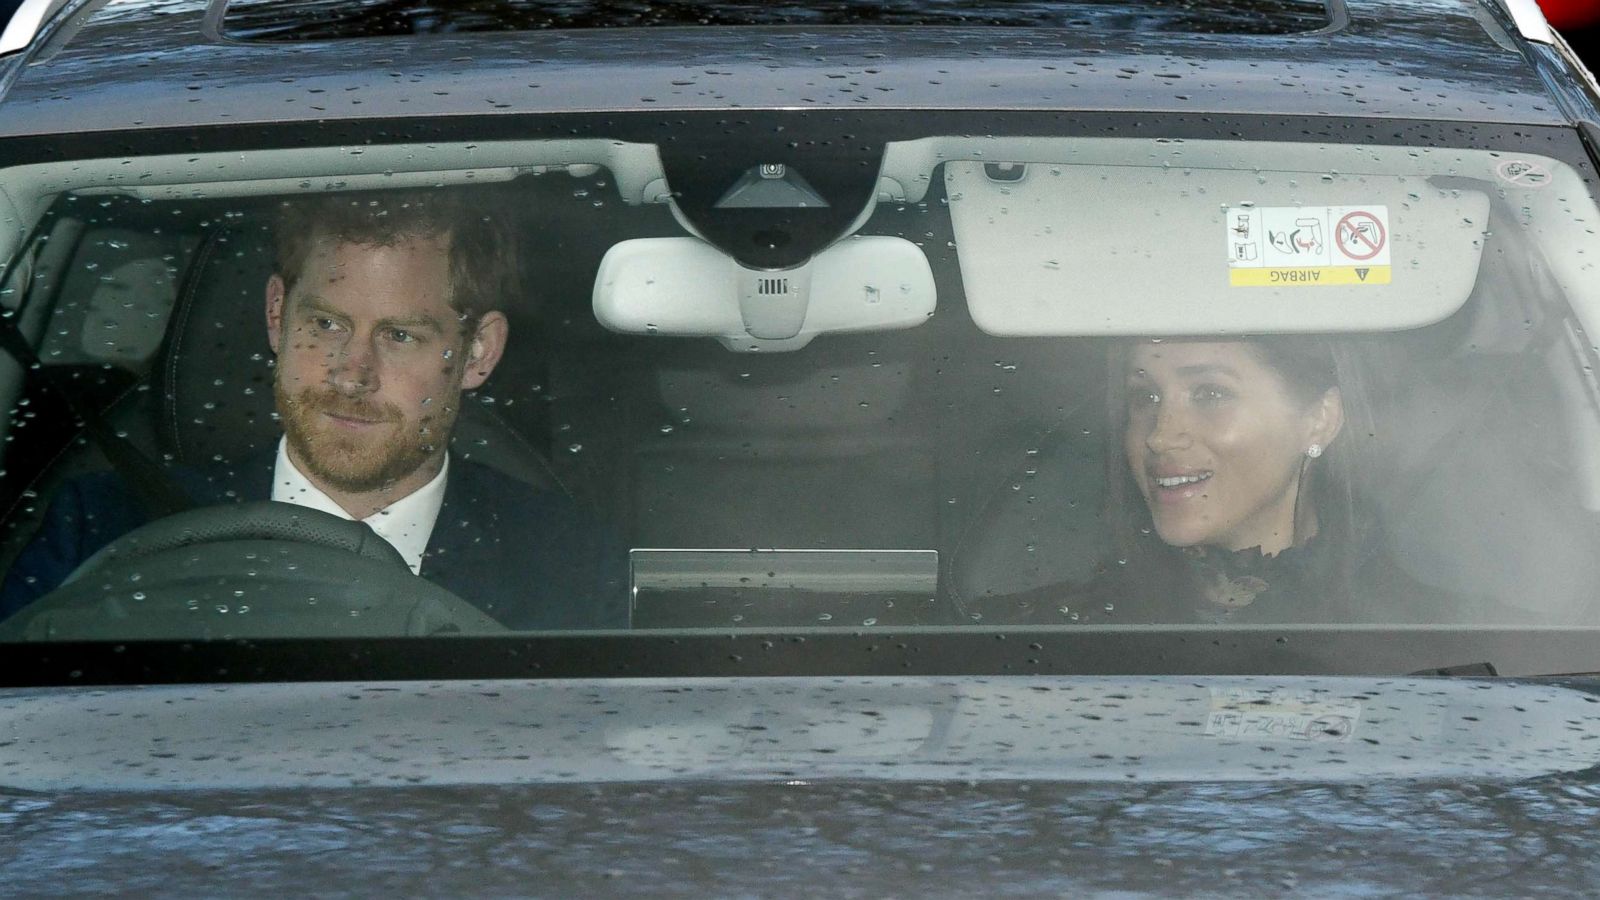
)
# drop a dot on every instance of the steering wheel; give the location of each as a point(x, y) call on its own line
point(250, 570)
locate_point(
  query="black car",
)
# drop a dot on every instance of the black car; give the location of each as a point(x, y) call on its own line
point(838, 447)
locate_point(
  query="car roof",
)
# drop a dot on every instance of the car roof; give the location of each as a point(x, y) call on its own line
point(144, 64)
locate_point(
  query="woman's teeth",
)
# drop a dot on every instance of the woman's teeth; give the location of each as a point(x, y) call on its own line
point(1181, 480)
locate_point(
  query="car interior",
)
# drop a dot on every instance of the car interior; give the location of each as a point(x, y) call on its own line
point(972, 436)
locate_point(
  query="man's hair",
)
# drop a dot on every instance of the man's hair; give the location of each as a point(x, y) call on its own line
point(483, 267)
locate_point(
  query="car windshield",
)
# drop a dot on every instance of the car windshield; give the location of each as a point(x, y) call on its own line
point(1098, 380)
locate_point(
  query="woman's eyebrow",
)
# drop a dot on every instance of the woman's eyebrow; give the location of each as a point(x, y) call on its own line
point(1207, 369)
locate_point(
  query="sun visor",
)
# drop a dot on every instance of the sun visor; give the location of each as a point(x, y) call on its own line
point(1118, 250)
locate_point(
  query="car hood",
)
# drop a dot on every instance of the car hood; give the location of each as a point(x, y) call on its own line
point(837, 839)
point(849, 786)
point(586, 731)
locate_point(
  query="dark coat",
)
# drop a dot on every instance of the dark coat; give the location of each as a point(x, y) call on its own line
point(530, 559)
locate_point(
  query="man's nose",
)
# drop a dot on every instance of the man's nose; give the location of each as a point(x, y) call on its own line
point(1169, 431)
point(353, 369)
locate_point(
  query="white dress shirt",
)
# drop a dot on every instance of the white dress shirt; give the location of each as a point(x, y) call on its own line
point(406, 523)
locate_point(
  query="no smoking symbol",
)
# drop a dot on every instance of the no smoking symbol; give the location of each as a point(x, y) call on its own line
point(1360, 235)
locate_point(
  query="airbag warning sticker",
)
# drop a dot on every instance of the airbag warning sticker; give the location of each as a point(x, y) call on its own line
point(1306, 246)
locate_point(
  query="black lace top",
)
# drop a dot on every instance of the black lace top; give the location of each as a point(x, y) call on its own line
point(1314, 582)
point(1226, 583)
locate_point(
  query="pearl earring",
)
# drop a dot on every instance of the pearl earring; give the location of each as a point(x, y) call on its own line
point(1314, 451)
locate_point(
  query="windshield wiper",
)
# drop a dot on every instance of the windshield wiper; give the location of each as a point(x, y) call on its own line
point(1467, 670)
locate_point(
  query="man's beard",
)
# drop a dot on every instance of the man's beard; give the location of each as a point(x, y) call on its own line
point(351, 462)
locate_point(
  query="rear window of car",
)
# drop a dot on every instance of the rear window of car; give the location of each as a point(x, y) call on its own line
point(1006, 397)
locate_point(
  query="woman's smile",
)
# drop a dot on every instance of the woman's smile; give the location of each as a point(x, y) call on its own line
point(1176, 487)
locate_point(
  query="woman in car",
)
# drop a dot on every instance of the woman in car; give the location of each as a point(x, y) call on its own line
point(1232, 497)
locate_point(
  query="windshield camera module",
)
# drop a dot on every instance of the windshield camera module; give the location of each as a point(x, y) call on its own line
point(770, 197)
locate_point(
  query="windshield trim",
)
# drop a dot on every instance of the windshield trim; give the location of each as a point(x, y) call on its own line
point(716, 130)
point(254, 21)
point(1191, 650)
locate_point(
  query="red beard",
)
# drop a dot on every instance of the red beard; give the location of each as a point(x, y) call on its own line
point(354, 460)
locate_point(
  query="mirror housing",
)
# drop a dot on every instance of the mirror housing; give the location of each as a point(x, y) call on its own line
point(684, 287)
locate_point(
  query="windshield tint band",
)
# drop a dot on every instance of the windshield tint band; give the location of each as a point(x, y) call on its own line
point(1128, 650)
point(712, 131)
point(266, 20)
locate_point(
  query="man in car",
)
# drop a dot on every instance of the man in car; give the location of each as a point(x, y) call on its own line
point(381, 312)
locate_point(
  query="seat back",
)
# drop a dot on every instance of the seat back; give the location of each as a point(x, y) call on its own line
point(790, 451)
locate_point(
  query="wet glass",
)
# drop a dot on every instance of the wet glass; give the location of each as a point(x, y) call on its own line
point(1108, 416)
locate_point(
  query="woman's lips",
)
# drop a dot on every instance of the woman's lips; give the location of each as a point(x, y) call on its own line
point(1175, 487)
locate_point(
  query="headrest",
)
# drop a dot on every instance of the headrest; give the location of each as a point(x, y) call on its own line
point(837, 384)
point(215, 373)
point(1042, 525)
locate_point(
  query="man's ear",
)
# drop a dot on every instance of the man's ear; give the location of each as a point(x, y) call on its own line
point(484, 349)
point(1327, 417)
point(275, 298)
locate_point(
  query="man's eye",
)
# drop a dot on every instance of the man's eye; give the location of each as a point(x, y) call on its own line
point(1140, 398)
point(402, 336)
point(1210, 395)
point(323, 323)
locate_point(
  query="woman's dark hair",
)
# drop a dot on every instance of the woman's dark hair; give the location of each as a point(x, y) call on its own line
point(1309, 365)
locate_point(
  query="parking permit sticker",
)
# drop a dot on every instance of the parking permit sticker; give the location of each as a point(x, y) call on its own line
point(1307, 246)
point(1257, 714)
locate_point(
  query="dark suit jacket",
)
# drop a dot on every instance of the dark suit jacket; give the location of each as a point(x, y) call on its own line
point(530, 559)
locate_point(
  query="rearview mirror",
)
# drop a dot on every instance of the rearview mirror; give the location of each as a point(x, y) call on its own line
point(687, 288)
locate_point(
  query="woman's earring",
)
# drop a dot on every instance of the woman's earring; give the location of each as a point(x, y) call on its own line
point(1314, 451)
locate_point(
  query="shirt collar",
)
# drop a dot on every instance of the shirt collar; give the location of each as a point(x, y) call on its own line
point(406, 524)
